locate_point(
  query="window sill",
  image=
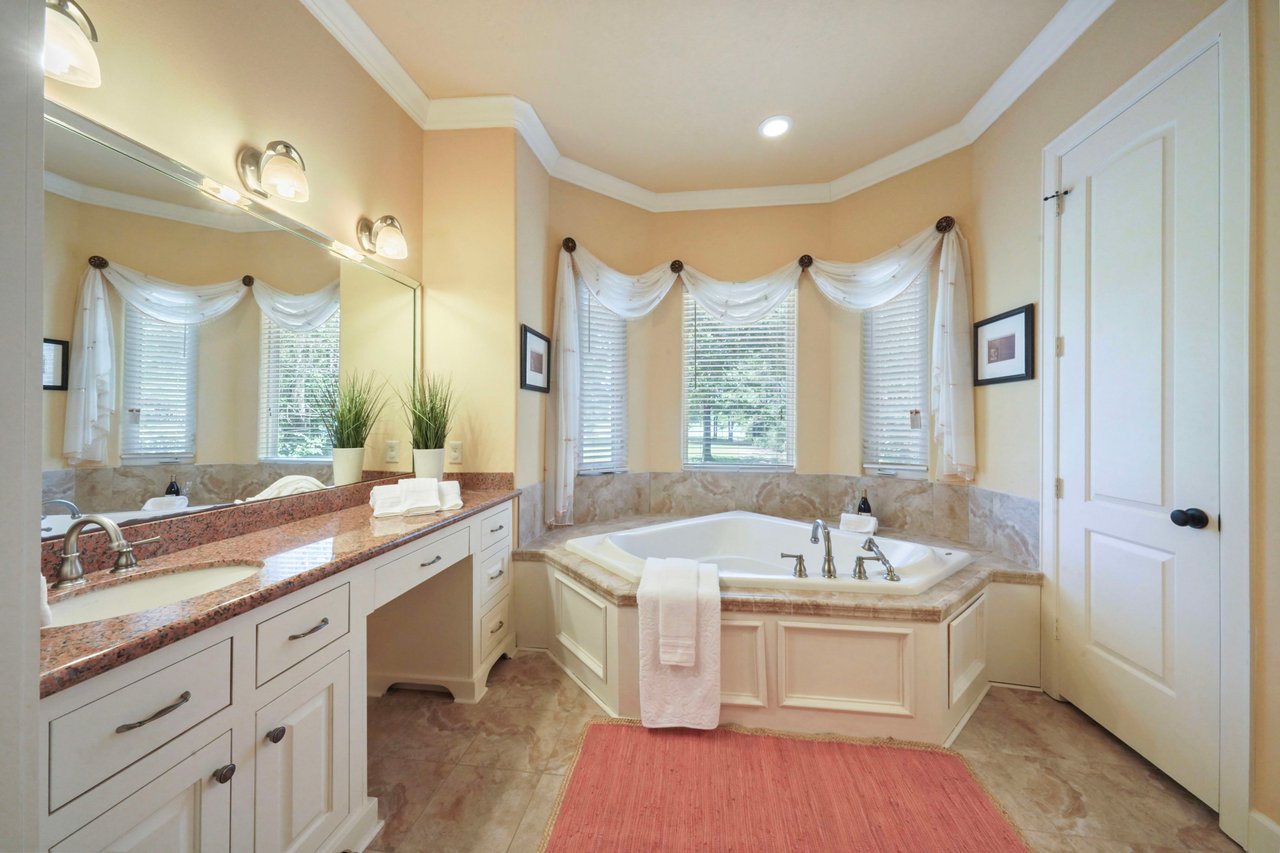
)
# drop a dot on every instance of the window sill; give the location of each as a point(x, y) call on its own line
point(743, 469)
point(895, 473)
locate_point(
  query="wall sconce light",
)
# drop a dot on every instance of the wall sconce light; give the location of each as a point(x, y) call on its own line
point(383, 237)
point(68, 45)
point(277, 171)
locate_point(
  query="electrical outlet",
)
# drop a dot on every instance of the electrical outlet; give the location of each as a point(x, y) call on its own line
point(455, 453)
point(392, 452)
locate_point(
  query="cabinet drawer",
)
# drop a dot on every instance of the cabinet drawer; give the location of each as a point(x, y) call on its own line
point(493, 573)
point(96, 741)
point(495, 528)
point(293, 635)
point(398, 577)
point(494, 627)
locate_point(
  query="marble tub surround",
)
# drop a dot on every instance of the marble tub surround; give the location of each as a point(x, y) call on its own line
point(935, 604)
point(293, 555)
point(179, 532)
point(532, 522)
point(600, 497)
point(1006, 524)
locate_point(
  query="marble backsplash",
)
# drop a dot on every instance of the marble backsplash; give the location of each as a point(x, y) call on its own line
point(1005, 524)
point(128, 487)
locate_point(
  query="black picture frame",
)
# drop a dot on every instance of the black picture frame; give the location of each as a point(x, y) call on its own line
point(58, 351)
point(1027, 329)
point(530, 351)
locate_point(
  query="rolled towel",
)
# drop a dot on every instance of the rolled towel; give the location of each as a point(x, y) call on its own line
point(386, 501)
point(450, 494)
point(165, 503)
point(46, 615)
point(291, 484)
point(421, 495)
point(858, 523)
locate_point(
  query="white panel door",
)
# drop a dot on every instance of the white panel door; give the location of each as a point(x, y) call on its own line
point(1138, 429)
point(303, 761)
point(185, 810)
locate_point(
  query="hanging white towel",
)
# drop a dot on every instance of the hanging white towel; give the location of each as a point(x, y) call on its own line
point(676, 581)
point(858, 523)
point(685, 695)
point(46, 614)
point(450, 494)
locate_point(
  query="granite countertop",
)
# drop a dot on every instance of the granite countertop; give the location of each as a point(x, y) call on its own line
point(935, 604)
point(292, 556)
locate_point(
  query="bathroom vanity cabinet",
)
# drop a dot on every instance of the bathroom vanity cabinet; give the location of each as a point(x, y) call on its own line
point(251, 734)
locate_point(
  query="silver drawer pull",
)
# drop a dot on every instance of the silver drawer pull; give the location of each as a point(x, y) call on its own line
point(497, 628)
point(498, 528)
point(168, 709)
point(493, 576)
point(323, 623)
point(437, 558)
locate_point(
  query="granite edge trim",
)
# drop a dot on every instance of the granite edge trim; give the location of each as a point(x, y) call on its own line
point(65, 676)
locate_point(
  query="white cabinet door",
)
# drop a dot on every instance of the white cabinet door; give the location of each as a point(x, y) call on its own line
point(303, 759)
point(188, 808)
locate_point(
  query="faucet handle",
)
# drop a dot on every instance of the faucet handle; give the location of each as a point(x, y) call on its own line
point(799, 570)
point(125, 560)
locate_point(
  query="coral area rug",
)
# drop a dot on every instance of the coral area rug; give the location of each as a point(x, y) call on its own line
point(731, 789)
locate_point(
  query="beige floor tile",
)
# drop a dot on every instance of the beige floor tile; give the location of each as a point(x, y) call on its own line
point(516, 738)
point(475, 809)
point(1029, 723)
point(529, 834)
point(403, 788)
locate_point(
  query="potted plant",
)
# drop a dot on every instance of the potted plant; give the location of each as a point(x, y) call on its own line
point(351, 410)
point(429, 409)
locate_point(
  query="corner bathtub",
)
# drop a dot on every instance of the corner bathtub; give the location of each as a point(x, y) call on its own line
point(746, 546)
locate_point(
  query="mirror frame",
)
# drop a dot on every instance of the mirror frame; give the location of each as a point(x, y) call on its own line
point(60, 116)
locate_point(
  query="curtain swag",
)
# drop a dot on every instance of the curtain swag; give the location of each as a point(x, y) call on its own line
point(939, 252)
point(91, 396)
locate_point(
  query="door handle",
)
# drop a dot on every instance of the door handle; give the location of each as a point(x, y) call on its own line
point(1192, 517)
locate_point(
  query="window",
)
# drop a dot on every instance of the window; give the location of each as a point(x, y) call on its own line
point(602, 351)
point(159, 423)
point(895, 383)
point(299, 369)
point(739, 389)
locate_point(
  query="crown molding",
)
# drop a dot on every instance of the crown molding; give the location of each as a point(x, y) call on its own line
point(345, 25)
point(491, 111)
point(237, 223)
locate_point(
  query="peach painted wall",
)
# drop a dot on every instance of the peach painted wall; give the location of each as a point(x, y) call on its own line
point(198, 81)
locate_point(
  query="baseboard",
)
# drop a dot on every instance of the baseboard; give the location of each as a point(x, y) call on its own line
point(359, 830)
point(1012, 686)
point(955, 733)
point(578, 681)
point(1264, 834)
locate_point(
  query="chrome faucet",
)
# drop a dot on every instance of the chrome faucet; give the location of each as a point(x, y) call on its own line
point(860, 567)
point(71, 573)
point(828, 562)
point(74, 511)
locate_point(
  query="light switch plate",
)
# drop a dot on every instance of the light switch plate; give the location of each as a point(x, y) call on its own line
point(393, 451)
point(455, 453)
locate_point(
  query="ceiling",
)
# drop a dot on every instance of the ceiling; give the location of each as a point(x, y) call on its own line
point(667, 95)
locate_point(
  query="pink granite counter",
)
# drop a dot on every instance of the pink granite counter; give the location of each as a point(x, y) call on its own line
point(935, 604)
point(292, 556)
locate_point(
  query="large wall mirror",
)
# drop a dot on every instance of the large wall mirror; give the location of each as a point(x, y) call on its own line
point(224, 408)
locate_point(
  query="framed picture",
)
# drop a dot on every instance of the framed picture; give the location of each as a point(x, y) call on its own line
point(54, 365)
point(1004, 347)
point(535, 360)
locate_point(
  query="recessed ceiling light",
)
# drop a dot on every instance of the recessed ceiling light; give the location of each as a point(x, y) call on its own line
point(775, 126)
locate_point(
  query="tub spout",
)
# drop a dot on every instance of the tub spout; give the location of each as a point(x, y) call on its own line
point(828, 562)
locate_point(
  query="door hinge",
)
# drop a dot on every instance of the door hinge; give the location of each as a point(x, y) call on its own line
point(1060, 346)
point(1057, 488)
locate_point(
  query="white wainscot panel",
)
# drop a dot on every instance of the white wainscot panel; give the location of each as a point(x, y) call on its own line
point(742, 664)
point(846, 667)
point(582, 621)
point(966, 648)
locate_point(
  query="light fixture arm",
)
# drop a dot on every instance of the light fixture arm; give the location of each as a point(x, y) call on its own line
point(72, 10)
point(367, 231)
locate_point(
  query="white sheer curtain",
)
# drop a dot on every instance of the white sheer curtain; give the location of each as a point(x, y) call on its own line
point(91, 387)
point(852, 286)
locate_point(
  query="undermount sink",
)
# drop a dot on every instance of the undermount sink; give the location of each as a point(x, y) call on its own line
point(134, 596)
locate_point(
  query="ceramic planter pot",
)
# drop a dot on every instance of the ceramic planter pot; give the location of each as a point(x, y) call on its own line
point(348, 465)
point(428, 463)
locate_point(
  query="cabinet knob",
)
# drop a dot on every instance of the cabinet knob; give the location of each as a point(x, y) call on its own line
point(223, 774)
point(277, 734)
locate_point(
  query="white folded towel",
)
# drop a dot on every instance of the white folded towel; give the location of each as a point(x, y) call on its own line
point(165, 502)
point(858, 523)
point(450, 494)
point(292, 484)
point(685, 695)
point(421, 495)
point(46, 615)
point(386, 501)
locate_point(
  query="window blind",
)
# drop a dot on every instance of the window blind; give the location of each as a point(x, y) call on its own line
point(895, 382)
point(298, 370)
point(159, 390)
point(602, 351)
point(739, 389)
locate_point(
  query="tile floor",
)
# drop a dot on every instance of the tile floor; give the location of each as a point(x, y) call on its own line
point(485, 777)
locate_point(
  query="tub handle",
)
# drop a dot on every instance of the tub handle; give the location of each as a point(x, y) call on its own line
point(799, 570)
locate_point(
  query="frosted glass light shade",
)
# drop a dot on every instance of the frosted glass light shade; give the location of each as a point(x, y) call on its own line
point(284, 177)
point(68, 54)
point(391, 243)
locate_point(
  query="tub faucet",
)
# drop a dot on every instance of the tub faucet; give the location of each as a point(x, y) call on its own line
point(860, 567)
point(828, 562)
point(71, 507)
point(71, 573)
